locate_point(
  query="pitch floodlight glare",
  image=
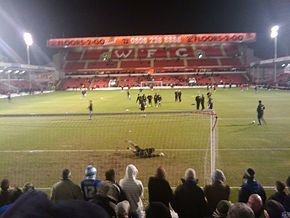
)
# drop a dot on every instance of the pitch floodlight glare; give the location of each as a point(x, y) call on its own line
point(274, 31)
point(28, 39)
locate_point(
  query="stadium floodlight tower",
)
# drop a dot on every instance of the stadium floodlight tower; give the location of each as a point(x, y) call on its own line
point(28, 41)
point(274, 35)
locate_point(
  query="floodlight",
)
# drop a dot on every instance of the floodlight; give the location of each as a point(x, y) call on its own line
point(274, 31)
point(28, 39)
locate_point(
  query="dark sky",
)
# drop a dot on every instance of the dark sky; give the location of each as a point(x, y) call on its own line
point(82, 18)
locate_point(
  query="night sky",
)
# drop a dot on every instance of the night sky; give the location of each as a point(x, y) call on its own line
point(88, 18)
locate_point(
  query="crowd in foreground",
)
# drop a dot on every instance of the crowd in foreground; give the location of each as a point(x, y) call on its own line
point(107, 198)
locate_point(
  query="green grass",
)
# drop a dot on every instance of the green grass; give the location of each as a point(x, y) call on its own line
point(240, 144)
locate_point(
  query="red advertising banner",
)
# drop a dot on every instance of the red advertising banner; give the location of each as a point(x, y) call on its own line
point(151, 40)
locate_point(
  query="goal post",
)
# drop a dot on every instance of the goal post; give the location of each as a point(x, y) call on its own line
point(39, 146)
point(151, 83)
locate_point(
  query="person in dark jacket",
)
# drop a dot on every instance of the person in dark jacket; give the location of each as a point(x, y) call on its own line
point(157, 209)
point(102, 199)
point(287, 199)
point(217, 191)
point(159, 188)
point(65, 189)
point(280, 194)
point(6, 192)
point(189, 199)
point(251, 186)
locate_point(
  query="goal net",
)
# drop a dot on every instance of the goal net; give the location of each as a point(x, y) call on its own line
point(151, 83)
point(36, 148)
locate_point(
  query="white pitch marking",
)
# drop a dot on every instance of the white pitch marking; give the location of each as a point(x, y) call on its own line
point(159, 149)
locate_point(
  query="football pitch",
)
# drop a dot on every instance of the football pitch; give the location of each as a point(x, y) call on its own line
point(36, 148)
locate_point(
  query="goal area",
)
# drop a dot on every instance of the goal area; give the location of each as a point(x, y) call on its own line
point(36, 148)
point(151, 83)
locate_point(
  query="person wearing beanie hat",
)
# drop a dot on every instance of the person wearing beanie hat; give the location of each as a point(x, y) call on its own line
point(189, 199)
point(65, 189)
point(216, 191)
point(90, 183)
point(250, 186)
point(222, 209)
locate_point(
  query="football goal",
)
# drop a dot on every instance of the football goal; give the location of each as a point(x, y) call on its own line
point(151, 83)
point(35, 148)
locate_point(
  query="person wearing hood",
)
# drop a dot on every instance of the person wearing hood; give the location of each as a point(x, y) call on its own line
point(189, 200)
point(251, 186)
point(133, 189)
point(217, 191)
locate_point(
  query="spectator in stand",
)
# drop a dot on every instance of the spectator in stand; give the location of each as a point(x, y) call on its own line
point(280, 194)
point(122, 209)
point(157, 210)
point(287, 199)
point(240, 210)
point(222, 209)
point(15, 194)
point(65, 189)
point(251, 186)
point(133, 189)
point(28, 187)
point(189, 200)
point(77, 209)
point(217, 191)
point(256, 204)
point(6, 192)
point(275, 209)
point(31, 204)
point(90, 183)
point(116, 193)
point(102, 199)
point(159, 189)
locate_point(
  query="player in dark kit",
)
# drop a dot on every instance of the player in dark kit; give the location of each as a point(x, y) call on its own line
point(260, 113)
point(142, 153)
point(197, 99)
point(149, 98)
point(209, 101)
point(202, 102)
point(176, 95)
point(155, 100)
point(179, 95)
point(128, 94)
point(90, 107)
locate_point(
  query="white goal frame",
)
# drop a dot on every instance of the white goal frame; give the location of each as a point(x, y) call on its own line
point(151, 83)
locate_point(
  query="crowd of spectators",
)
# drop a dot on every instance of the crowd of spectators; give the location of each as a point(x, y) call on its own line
point(124, 199)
